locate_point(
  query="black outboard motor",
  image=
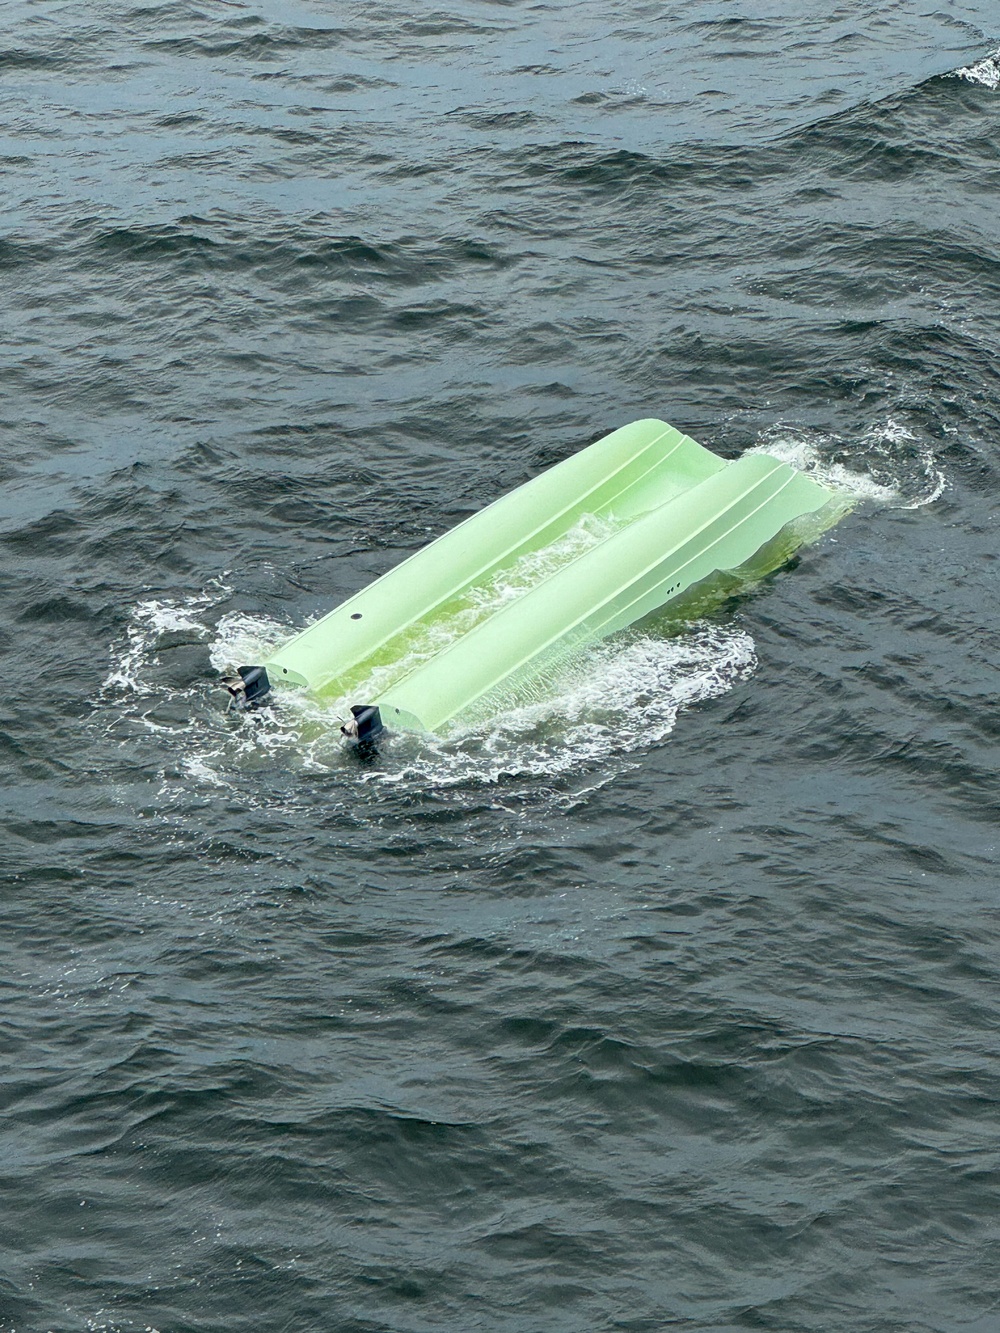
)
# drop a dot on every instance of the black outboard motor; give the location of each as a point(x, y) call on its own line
point(249, 689)
point(364, 730)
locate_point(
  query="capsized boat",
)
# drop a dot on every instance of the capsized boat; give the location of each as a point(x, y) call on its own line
point(630, 523)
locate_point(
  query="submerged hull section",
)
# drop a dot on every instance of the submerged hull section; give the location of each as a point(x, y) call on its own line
point(588, 547)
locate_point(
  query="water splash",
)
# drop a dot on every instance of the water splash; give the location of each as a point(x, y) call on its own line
point(888, 465)
point(985, 72)
point(154, 624)
point(589, 716)
point(608, 702)
point(241, 638)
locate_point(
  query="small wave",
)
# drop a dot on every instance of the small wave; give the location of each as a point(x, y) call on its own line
point(17, 254)
point(269, 45)
point(11, 59)
point(985, 72)
point(299, 256)
point(887, 465)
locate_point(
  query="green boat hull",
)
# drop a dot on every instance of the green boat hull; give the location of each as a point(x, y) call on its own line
point(601, 540)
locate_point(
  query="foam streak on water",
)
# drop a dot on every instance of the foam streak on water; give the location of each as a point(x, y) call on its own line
point(886, 465)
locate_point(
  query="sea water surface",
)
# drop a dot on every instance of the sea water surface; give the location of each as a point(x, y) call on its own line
point(666, 998)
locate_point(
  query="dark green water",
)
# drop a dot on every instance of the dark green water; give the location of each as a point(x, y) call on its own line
point(668, 1000)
